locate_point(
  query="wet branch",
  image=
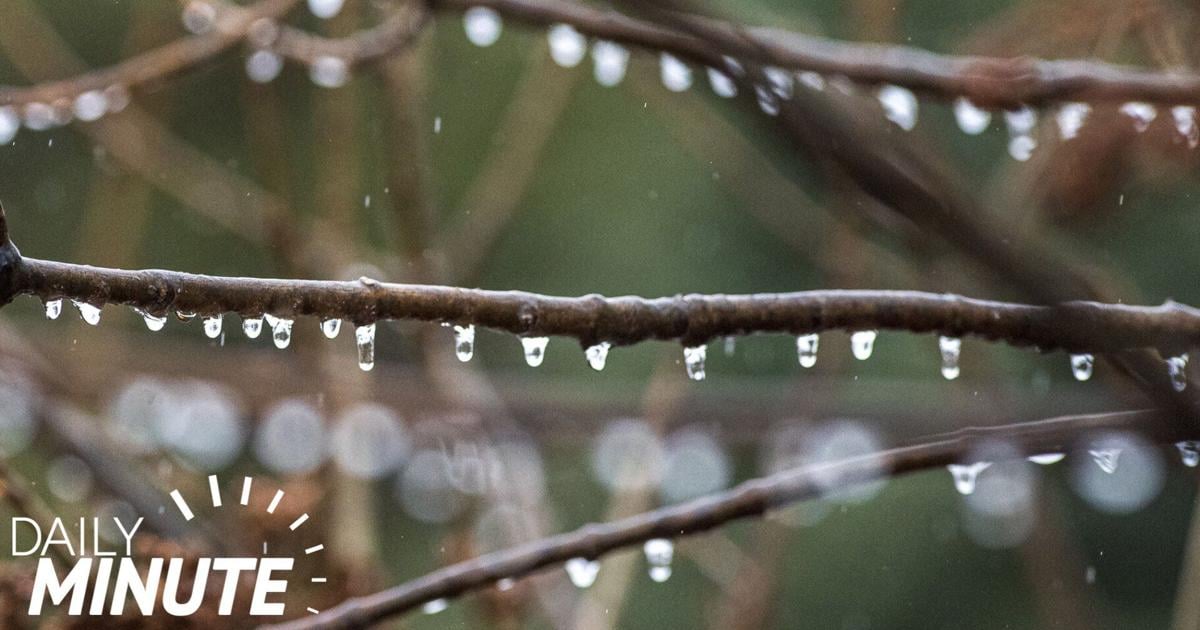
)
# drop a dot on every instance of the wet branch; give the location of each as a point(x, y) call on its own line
point(750, 499)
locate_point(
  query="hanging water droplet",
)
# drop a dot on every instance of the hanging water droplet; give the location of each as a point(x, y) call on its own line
point(364, 336)
point(1185, 123)
point(1142, 114)
point(730, 346)
point(862, 344)
point(1177, 369)
point(1081, 366)
point(971, 119)
point(262, 66)
point(1189, 452)
point(1045, 459)
point(767, 101)
point(806, 349)
point(567, 45)
point(154, 322)
point(10, 123)
point(184, 316)
point(53, 308)
point(965, 475)
point(464, 342)
point(38, 116)
point(693, 359)
point(1021, 148)
point(951, 348)
point(1070, 119)
point(899, 105)
point(582, 571)
point(610, 60)
point(198, 17)
point(812, 80)
point(597, 355)
point(535, 349)
point(1020, 123)
point(721, 84)
point(331, 327)
point(329, 72)
point(482, 25)
point(780, 81)
point(1106, 458)
point(325, 9)
point(281, 333)
point(89, 313)
point(676, 75)
point(90, 105)
point(212, 326)
point(659, 554)
point(436, 606)
point(252, 326)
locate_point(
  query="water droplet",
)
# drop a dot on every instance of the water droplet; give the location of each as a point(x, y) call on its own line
point(325, 9)
point(436, 606)
point(198, 17)
point(482, 25)
point(464, 342)
point(676, 75)
point(780, 81)
point(118, 97)
point(730, 346)
point(364, 336)
point(722, 85)
point(1189, 451)
point(329, 72)
point(252, 326)
point(1070, 119)
point(693, 359)
point(281, 332)
point(1020, 123)
point(184, 316)
point(212, 326)
point(1177, 369)
point(1106, 458)
point(862, 344)
point(951, 348)
point(1081, 366)
point(597, 355)
point(53, 308)
point(768, 102)
point(971, 119)
point(899, 105)
point(39, 116)
point(1045, 459)
point(965, 475)
point(1021, 148)
point(812, 80)
point(263, 32)
point(90, 105)
point(535, 349)
point(89, 313)
point(10, 123)
point(262, 66)
point(806, 349)
point(610, 61)
point(154, 322)
point(505, 584)
point(567, 45)
point(1142, 114)
point(331, 327)
point(1185, 123)
point(582, 571)
point(659, 553)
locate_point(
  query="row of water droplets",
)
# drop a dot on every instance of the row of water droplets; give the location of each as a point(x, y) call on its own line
point(87, 106)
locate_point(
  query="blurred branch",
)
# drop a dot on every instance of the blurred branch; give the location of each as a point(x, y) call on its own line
point(750, 499)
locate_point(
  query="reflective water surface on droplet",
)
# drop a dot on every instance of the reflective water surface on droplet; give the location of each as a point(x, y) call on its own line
point(862, 344)
point(582, 571)
point(971, 119)
point(535, 349)
point(482, 25)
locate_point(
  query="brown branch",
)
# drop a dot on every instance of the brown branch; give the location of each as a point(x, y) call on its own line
point(750, 499)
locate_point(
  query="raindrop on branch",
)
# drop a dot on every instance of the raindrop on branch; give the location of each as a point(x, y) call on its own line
point(768, 102)
point(39, 116)
point(812, 80)
point(676, 75)
point(1081, 366)
point(1070, 119)
point(582, 571)
point(329, 72)
point(781, 82)
point(464, 342)
point(971, 119)
point(331, 327)
point(567, 45)
point(482, 25)
point(1020, 123)
point(212, 326)
point(262, 66)
point(1185, 123)
point(965, 475)
point(597, 355)
point(693, 359)
point(90, 105)
point(806, 349)
point(154, 322)
point(10, 123)
point(436, 606)
point(862, 344)
point(1045, 459)
point(1177, 369)
point(252, 326)
point(951, 348)
point(722, 85)
point(325, 9)
point(198, 17)
point(1142, 114)
point(610, 62)
point(659, 554)
point(89, 313)
point(899, 105)
point(281, 332)
point(535, 349)
point(1189, 452)
point(53, 308)
point(364, 337)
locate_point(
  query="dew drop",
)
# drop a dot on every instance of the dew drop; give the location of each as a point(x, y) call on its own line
point(597, 355)
point(862, 344)
point(482, 25)
point(730, 346)
point(965, 475)
point(331, 327)
point(899, 105)
point(281, 332)
point(53, 308)
point(10, 123)
point(676, 75)
point(325, 9)
point(436, 606)
point(329, 72)
point(39, 116)
point(1070, 119)
point(364, 336)
point(1020, 123)
point(154, 322)
point(1021, 148)
point(610, 61)
point(505, 584)
point(659, 554)
point(567, 45)
point(971, 119)
point(1142, 114)
point(1106, 458)
point(535, 349)
point(721, 84)
point(768, 102)
point(1177, 369)
point(1045, 459)
point(1081, 366)
point(1185, 123)
point(198, 17)
point(252, 326)
point(212, 326)
point(951, 348)
point(693, 359)
point(781, 81)
point(806, 349)
point(582, 571)
point(1189, 452)
point(90, 105)
point(811, 80)
point(464, 342)
point(88, 312)
point(262, 66)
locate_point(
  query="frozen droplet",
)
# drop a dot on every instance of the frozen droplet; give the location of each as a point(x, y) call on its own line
point(464, 342)
point(567, 45)
point(364, 336)
point(693, 359)
point(262, 66)
point(154, 322)
point(862, 344)
point(971, 119)
point(281, 333)
point(10, 123)
point(89, 312)
point(53, 308)
point(436, 606)
point(1185, 123)
point(252, 326)
point(951, 348)
point(965, 475)
point(768, 102)
point(582, 571)
point(1189, 452)
point(1045, 459)
point(1177, 369)
point(1070, 119)
point(610, 61)
point(1106, 458)
point(212, 326)
point(899, 105)
point(198, 17)
point(535, 349)
point(90, 105)
point(659, 554)
point(325, 9)
point(812, 80)
point(597, 355)
point(329, 72)
point(806, 349)
point(482, 25)
point(676, 75)
point(1081, 366)
point(1021, 148)
point(1142, 114)
point(722, 85)
point(331, 327)
point(39, 116)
